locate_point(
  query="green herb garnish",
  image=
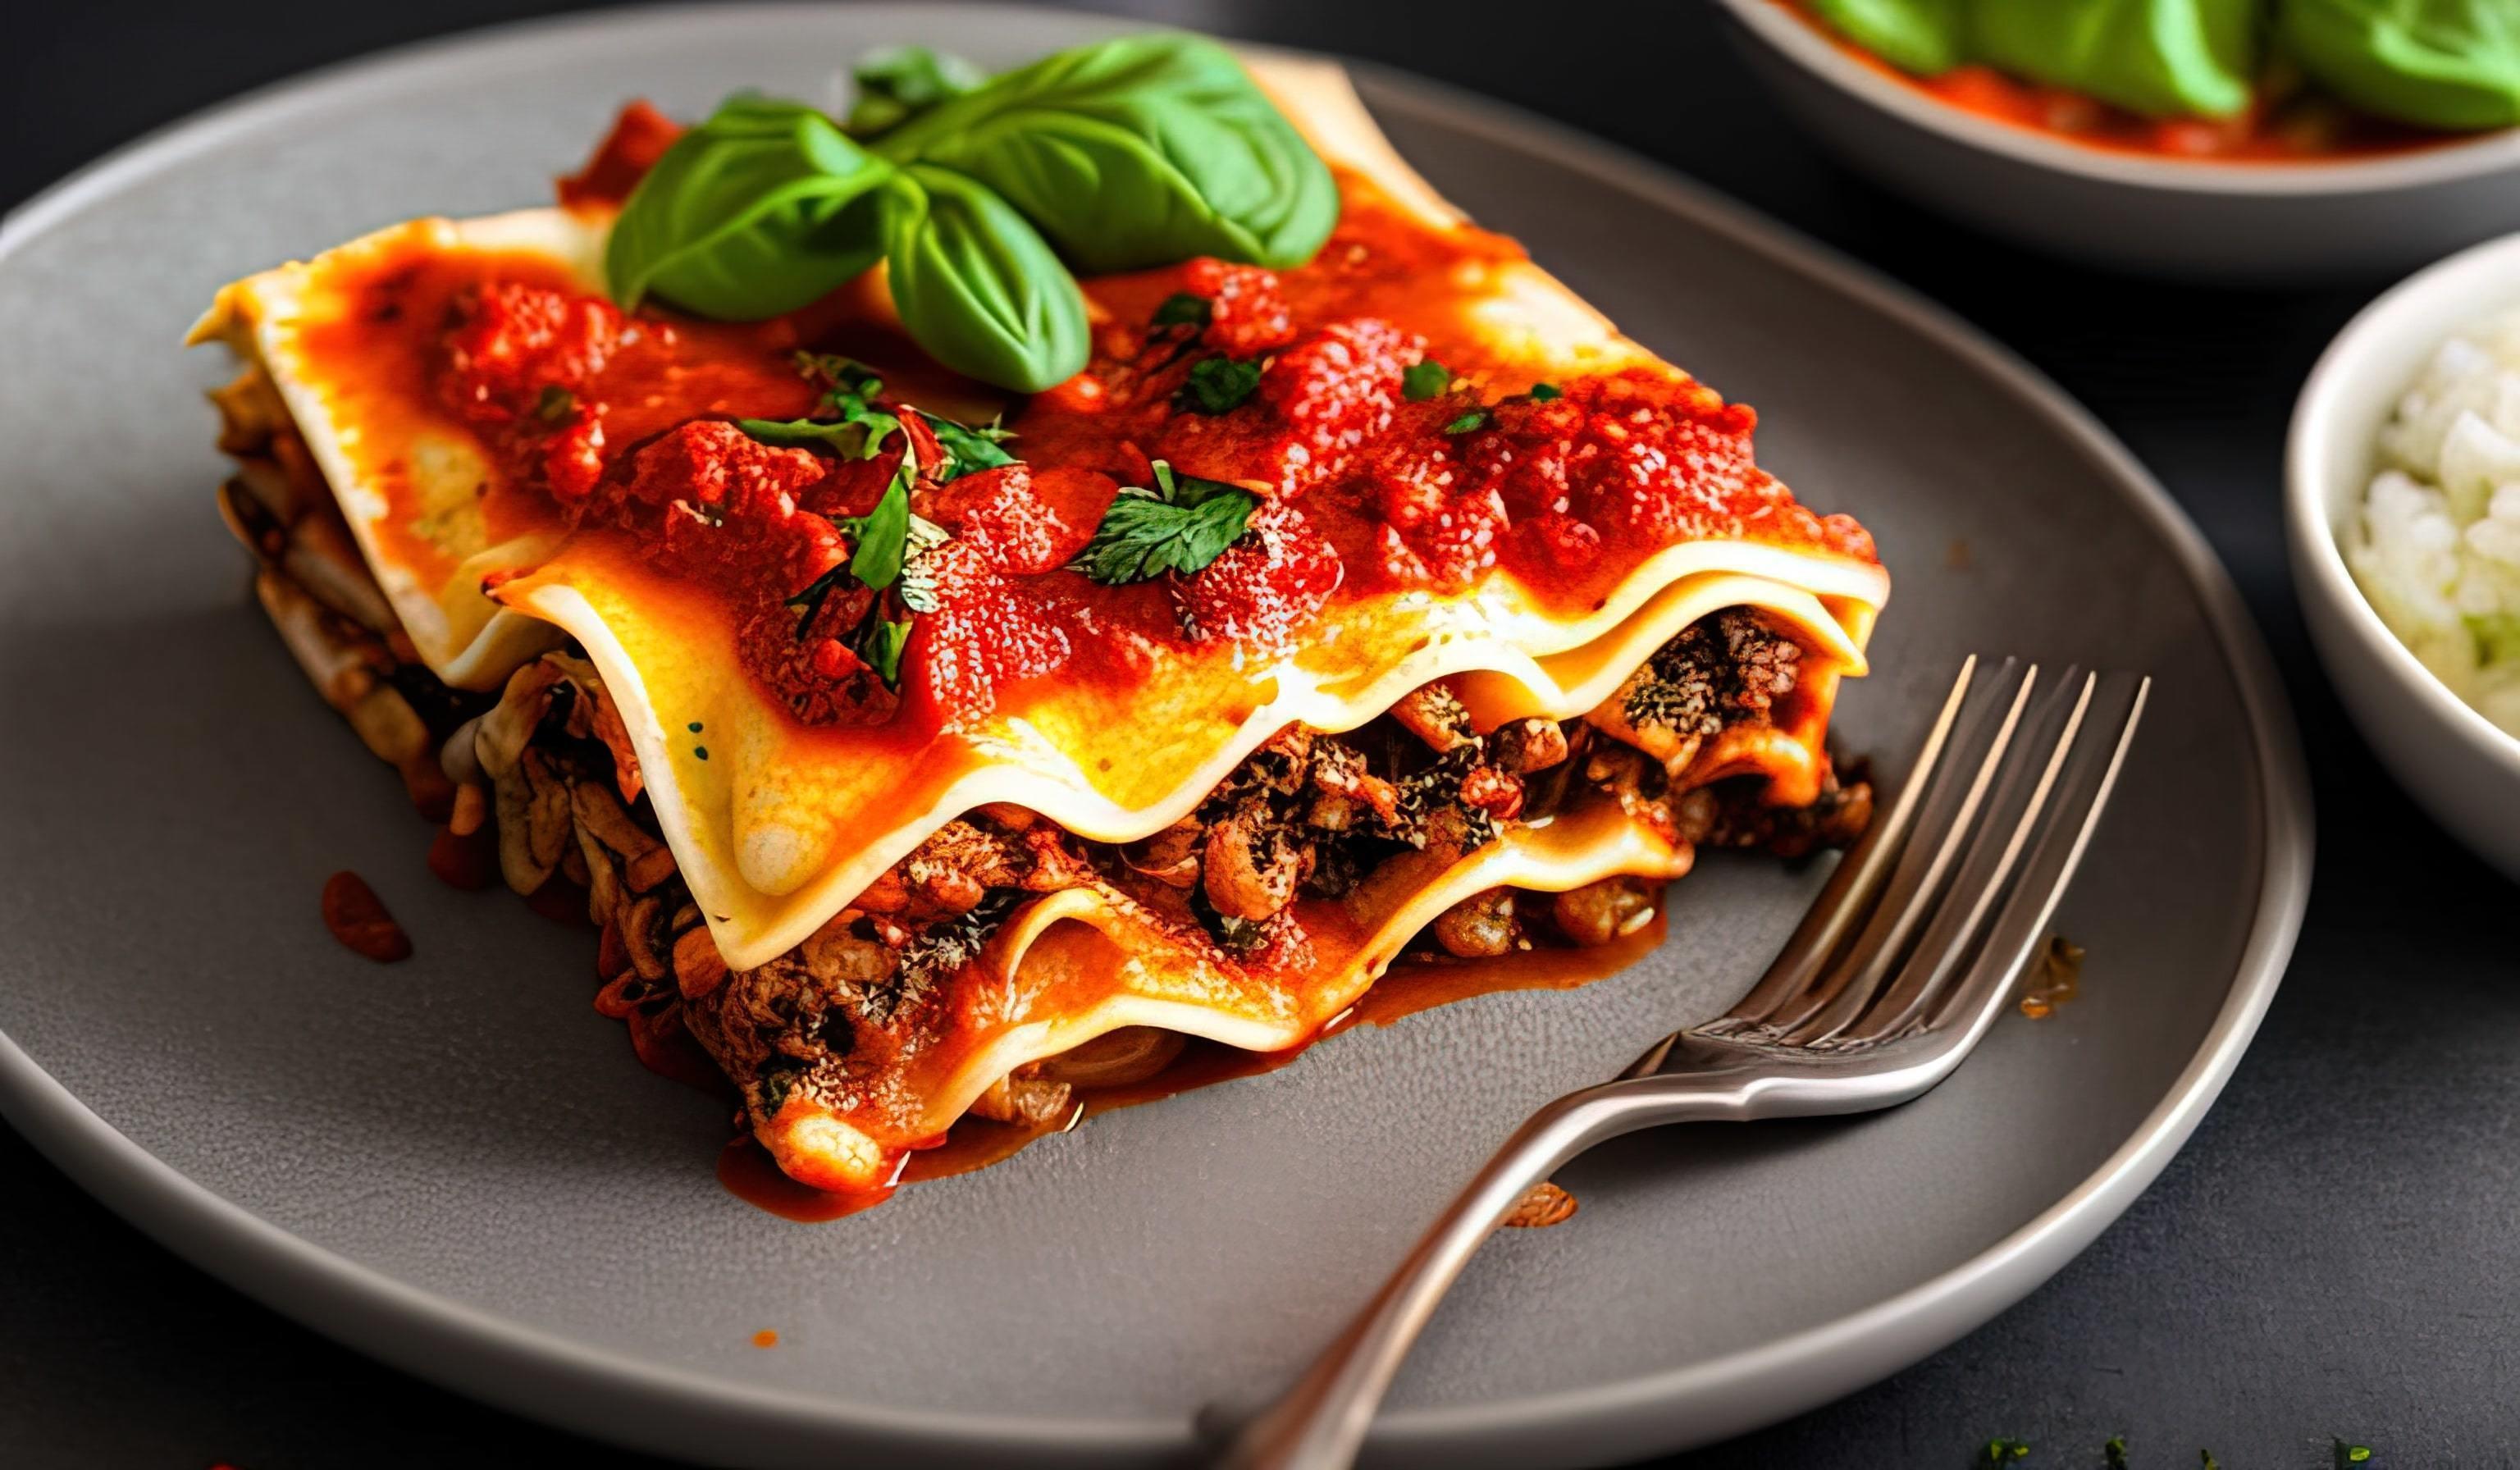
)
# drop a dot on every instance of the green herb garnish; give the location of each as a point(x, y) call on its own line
point(776, 1081)
point(968, 450)
point(1474, 419)
point(1180, 525)
point(1423, 379)
point(880, 642)
point(2351, 1455)
point(2000, 1451)
point(1183, 309)
point(1118, 156)
point(883, 536)
point(2114, 1452)
point(1543, 392)
point(555, 402)
point(1218, 386)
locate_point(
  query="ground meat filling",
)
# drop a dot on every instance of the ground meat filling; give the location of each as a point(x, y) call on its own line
point(1308, 814)
point(1721, 670)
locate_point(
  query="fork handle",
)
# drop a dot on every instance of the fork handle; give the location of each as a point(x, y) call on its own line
point(1320, 1423)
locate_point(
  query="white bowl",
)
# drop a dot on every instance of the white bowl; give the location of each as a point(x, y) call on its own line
point(2458, 764)
point(2258, 223)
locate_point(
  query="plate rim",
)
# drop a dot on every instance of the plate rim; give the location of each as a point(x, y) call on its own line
point(626, 1400)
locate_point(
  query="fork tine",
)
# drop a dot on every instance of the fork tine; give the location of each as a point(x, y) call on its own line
point(1847, 898)
point(2021, 925)
point(1925, 867)
point(2012, 819)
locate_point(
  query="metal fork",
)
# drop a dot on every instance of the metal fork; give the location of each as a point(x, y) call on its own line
point(1902, 965)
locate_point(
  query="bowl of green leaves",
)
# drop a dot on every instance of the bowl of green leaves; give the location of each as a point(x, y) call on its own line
point(2265, 141)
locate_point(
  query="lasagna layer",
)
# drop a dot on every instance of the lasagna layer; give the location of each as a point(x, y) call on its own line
point(1517, 613)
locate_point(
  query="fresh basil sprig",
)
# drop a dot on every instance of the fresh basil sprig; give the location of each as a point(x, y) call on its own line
point(1134, 152)
point(1126, 153)
point(1182, 524)
point(758, 210)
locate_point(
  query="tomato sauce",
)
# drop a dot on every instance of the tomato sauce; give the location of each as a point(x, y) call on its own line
point(610, 423)
point(2294, 127)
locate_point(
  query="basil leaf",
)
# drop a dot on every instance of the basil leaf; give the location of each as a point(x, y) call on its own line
point(968, 450)
point(1423, 379)
point(977, 286)
point(2446, 64)
point(882, 535)
point(1181, 526)
point(898, 81)
point(2161, 57)
point(1136, 152)
point(1218, 386)
point(1920, 36)
point(748, 215)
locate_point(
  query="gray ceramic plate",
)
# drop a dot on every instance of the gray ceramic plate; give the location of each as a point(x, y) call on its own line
point(456, 1165)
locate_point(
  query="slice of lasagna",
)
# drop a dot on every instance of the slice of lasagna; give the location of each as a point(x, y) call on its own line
point(1509, 626)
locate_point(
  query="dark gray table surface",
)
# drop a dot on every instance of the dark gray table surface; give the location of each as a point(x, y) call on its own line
point(2337, 1251)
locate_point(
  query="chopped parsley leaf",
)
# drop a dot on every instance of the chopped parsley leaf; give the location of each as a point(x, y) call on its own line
point(1542, 392)
point(1181, 526)
point(1474, 419)
point(1183, 309)
point(1218, 386)
point(968, 450)
point(883, 536)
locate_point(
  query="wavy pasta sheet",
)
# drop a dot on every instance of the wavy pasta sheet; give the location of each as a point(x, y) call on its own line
point(1074, 966)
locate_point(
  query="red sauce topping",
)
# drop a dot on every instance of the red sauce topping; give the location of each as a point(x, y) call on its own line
point(640, 137)
point(620, 424)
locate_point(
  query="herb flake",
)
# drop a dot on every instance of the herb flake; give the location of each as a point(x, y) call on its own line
point(1423, 379)
point(1181, 526)
point(1184, 309)
point(1473, 419)
point(1218, 386)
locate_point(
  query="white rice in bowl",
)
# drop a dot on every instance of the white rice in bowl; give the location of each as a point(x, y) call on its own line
point(2437, 545)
